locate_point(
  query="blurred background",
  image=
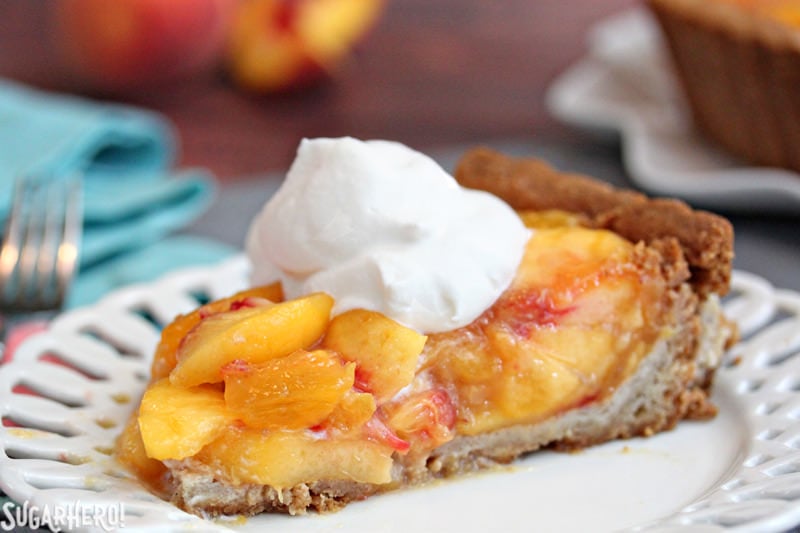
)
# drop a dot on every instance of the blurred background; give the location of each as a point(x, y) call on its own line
point(240, 82)
point(426, 73)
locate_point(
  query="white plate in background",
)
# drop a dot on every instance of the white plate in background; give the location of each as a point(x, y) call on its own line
point(624, 86)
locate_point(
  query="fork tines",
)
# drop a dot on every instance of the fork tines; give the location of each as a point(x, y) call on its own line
point(39, 253)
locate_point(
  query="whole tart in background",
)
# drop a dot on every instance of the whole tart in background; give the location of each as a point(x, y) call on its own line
point(739, 64)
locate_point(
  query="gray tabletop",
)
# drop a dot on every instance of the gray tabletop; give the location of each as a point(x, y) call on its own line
point(765, 245)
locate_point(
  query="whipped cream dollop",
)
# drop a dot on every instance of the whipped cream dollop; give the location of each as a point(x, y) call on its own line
point(380, 226)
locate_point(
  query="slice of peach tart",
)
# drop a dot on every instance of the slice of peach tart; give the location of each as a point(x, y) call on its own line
point(610, 327)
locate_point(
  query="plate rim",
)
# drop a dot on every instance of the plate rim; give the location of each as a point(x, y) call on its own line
point(760, 303)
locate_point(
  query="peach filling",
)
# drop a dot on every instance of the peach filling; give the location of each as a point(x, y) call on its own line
point(277, 392)
point(576, 321)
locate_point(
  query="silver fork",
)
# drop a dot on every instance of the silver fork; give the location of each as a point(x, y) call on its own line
point(39, 253)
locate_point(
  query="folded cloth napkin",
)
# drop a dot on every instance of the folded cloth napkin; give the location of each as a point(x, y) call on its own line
point(146, 264)
point(132, 197)
point(125, 156)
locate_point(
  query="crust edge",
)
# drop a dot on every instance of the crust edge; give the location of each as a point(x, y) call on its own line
point(705, 239)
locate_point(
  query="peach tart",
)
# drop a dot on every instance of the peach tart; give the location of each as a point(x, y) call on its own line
point(738, 62)
point(609, 328)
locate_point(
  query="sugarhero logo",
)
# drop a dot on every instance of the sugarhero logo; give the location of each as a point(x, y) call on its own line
point(62, 517)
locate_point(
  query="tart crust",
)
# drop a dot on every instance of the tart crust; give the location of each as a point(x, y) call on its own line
point(739, 68)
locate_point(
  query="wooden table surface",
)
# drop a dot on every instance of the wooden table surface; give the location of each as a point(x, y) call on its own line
point(431, 74)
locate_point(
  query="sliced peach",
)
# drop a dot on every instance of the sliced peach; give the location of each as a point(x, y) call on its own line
point(424, 416)
point(284, 459)
point(352, 412)
point(293, 392)
point(176, 422)
point(129, 451)
point(385, 351)
point(165, 357)
point(276, 45)
point(254, 334)
point(558, 258)
point(376, 430)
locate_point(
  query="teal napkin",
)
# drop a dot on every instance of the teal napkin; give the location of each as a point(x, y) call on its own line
point(132, 196)
point(58, 133)
point(131, 211)
point(146, 264)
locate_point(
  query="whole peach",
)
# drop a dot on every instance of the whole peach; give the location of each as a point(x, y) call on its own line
point(119, 44)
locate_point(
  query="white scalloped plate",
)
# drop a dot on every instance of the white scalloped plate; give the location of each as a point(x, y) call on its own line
point(624, 86)
point(741, 470)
